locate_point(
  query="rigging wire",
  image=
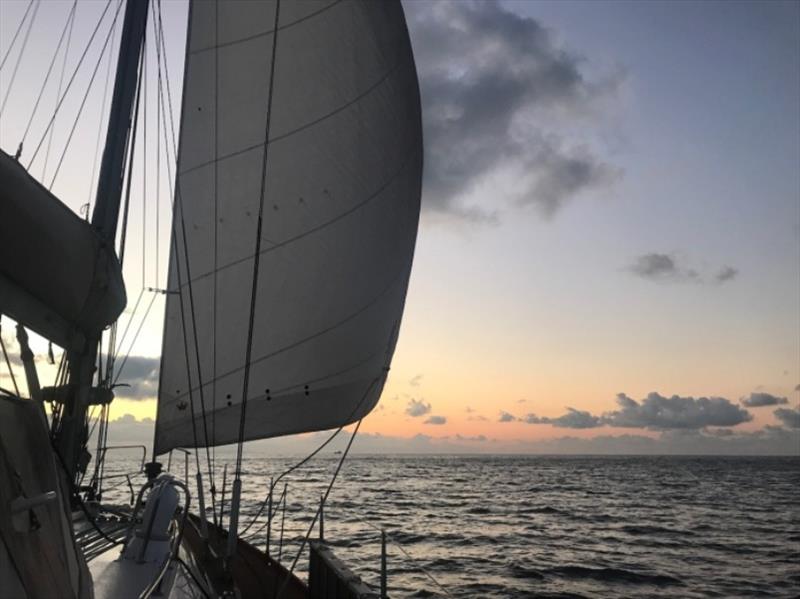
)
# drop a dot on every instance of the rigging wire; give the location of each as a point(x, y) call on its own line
point(58, 95)
point(161, 54)
point(286, 473)
point(111, 31)
point(71, 81)
point(16, 34)
point(100, 124)
point(8, 364)
point(162, 127)
point(144, 167)
point(422, 568)
point(67, 26)
point(19, 56)
point(256, 261)
point(133, 341)
point(316, 515)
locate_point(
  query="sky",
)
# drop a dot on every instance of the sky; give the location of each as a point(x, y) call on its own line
point(609, 251)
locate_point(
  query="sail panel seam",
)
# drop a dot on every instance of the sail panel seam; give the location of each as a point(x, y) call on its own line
point(321, 332)
point(303, 127)
point(322, 225)
point(261, 34)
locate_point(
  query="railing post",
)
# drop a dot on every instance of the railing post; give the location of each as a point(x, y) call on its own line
point(383, 564)
point(269, 515)
point(321, 517)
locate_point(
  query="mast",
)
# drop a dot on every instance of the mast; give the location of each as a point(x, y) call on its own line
point(71, 435)
point(109, 183)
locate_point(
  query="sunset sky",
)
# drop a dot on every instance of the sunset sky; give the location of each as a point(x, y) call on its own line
point(609, 249)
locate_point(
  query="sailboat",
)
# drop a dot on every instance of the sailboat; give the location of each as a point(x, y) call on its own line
point(296, 202)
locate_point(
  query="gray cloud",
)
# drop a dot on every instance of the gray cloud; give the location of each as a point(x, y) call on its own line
point(663, 413)
point(417, 408)
point(436, 420)
point(478, 438)
point(656, 266)
point(506, 417)
point(726, 273)
point(757, 400)
point(771, 440)
point(415, 381)
point(572, 419)
point(659, 267)
point(141, 373)
point(491, 82)
point(478, 418)
point(788, 417)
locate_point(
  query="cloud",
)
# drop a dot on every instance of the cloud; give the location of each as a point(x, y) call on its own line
point(757, 400)
point(417, 408)
point(572, 419)
point(797, 387)
point(469, 410)
point(127, 429)
point(506, 417)
point(656, 266)
point(493, 85)
point(788, 417)
point(659, 267)
point(141, 373)
point(477, 438)
point(726, 273)
point(522, 400)
point(436, 420)
point(415, 381)
point(662, 413)
point(478, 418)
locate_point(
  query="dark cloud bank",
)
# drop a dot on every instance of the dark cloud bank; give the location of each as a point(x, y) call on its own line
point(493, 85)
point(655, 412)
point(758, 400)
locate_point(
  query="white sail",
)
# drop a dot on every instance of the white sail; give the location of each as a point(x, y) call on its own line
point(341, 188)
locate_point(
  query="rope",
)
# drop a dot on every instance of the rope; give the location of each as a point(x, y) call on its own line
point(67, 26)
point(287, 472)
point(405, 552)
point(19, 56)
point(16, 34)
point(312, 454)
point(316, 515)
point(111, 32)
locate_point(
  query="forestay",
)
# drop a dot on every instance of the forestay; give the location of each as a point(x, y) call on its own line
point(341, 187)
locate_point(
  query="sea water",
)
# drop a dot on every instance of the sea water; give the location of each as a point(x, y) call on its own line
point(534, 526)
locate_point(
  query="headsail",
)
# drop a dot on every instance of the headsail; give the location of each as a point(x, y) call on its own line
point(341, 182)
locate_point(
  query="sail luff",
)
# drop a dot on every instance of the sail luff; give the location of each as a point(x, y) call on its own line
point(340, 215)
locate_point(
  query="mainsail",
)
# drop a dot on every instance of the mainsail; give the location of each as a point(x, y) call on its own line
point(325, 134)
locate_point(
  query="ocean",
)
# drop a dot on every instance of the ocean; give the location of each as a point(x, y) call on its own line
point(535, 526)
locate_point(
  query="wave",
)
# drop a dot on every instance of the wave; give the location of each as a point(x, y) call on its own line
point(612, 575)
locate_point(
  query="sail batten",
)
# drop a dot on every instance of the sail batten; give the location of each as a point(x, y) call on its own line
point(341, 208)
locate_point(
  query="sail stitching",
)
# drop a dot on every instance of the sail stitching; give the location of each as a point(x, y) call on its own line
point(302, 127)
point(322, 225)
point(321, 332)
point(299, 386)
point(242, 40)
